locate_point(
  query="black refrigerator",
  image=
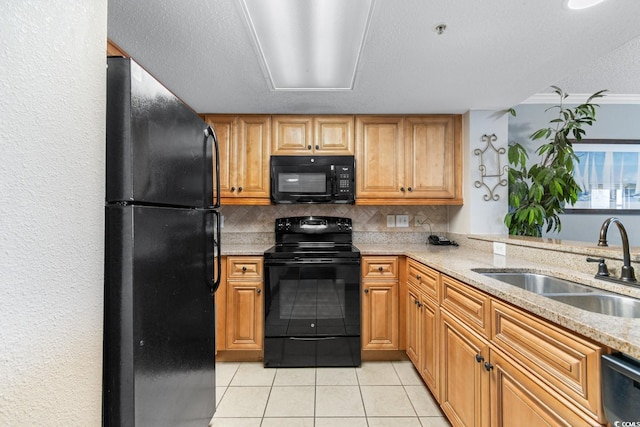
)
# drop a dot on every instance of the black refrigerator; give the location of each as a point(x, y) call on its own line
point(162, 255)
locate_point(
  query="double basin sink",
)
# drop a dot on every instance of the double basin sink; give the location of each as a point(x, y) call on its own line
point(567, 292)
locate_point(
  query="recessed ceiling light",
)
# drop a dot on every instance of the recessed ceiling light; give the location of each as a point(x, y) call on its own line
point(582, 4)
point(309, 44)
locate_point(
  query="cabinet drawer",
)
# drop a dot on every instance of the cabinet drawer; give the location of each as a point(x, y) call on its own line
point(569, 363)
point(426, 279)
point(244, 267)
point(467, 304)
point(380, 267)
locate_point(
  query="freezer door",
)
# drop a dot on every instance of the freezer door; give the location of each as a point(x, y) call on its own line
point(159, 339)
point(157, 148)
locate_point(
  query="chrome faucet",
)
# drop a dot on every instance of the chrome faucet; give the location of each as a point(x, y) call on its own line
point(626, 274)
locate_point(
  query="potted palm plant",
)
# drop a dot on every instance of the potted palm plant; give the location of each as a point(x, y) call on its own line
point(539, 192)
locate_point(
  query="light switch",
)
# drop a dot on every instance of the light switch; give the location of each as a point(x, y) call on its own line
point(402, 220)
point(391, 220)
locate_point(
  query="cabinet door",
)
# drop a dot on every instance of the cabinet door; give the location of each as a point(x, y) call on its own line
point(333, 135)
point(245, 321)
point(413, 325)
point(380, 316)
point(429, 345)
point(380, 157)
point(225, 128)
point(464, 385)
point(518, 400)
point(433, 157)
point(567, 362)
point(292, 135)
point(252, 165)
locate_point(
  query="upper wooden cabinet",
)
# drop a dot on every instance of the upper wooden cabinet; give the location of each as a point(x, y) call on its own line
point(244, 143)
point(312, 135)
point(405, 160)
point(380, 158)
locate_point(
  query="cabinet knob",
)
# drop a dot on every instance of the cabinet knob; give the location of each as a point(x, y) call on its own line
point(419, 305)
point(239, 189)
point(308, 147)
point(419, 277)
point(410, 189)
point(233, 189)
point(244, 268)
point(488, 366)
point(317, 147)
point(380, 269)
point(479, 358)
point(415, 301)
point(366, 291)
point(258, 291)
point(402, 189)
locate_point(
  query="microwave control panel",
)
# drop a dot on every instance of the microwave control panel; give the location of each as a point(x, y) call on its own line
point(344, 179)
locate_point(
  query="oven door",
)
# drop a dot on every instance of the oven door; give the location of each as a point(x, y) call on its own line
point(312, 312)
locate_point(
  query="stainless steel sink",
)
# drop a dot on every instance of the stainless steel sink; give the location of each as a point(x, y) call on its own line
point(610, 304)
point(537, 283)
point(567, 292)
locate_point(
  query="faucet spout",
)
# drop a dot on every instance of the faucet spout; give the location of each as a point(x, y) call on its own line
point(627, 274)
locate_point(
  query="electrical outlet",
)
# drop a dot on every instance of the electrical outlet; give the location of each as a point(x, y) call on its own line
point(499, 248)
point(391, 220)
point(402, 220)
point(419, 220)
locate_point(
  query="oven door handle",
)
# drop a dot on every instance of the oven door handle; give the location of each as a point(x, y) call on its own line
point(304, 261)
point(312, 339)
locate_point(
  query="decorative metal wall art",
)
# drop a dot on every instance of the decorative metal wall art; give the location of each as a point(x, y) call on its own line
point(490, 159)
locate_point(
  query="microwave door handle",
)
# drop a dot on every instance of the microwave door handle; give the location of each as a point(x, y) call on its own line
point(334, 180)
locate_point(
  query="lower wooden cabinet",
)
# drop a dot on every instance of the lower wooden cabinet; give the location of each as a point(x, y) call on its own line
point(380, 316)
point(569, 363)
point(518, 400)
point(243, 323)
point(481, 386)
point(379, 297)
point(423, 316)
point(489, 363)
point(464, 382)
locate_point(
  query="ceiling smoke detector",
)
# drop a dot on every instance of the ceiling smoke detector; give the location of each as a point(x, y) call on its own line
point(439, 29)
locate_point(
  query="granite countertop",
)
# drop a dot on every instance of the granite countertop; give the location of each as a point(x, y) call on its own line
point(246, 249)
point(622, 334)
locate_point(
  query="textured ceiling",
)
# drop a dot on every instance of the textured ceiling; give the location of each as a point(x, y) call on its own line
point(494, 55)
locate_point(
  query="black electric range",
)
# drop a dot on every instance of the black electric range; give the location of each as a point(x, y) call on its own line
point(312, 294)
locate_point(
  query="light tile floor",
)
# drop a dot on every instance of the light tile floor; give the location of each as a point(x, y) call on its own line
point(378, 394)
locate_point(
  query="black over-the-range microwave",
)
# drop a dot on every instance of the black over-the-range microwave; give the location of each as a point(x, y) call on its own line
point(312, 179)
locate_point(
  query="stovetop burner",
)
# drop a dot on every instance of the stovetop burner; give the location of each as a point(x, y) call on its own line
point(309, 236)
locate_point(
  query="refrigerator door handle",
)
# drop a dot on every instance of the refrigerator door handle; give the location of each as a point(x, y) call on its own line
point(214, 272)
point(210, 132)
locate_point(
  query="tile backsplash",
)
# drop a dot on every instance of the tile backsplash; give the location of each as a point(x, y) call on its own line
point(260, 219)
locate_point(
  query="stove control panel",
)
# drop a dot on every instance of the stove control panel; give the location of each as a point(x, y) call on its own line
point(313, 225)
point(283, 224)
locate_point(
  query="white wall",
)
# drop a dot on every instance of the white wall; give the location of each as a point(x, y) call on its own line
point(477, 215)
point(52, 114)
